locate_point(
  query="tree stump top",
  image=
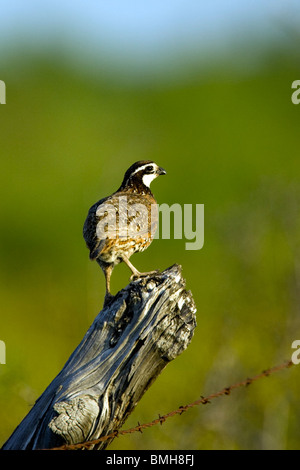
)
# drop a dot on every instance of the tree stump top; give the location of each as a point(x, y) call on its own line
point(148, 324)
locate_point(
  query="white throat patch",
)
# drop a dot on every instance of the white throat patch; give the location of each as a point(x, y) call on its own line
point(147, 179)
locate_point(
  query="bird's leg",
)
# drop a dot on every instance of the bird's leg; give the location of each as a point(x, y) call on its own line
point(107, 273)
point(135, 272)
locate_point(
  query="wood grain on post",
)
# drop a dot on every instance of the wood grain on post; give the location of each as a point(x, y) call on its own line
point(148, 324)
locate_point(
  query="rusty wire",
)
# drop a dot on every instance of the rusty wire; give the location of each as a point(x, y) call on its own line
point(161, 419)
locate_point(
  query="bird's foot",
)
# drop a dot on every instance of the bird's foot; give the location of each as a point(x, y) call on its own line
point(137, 275)
point(108, 299)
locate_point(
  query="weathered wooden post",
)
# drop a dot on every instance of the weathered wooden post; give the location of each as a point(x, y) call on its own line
point(148, 324)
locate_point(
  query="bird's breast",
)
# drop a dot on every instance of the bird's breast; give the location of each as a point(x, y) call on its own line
point(126, 223)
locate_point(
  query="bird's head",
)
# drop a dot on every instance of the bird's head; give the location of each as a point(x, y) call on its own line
point(142, 173)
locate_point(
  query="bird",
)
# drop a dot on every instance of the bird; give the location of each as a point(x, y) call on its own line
point(123, 223)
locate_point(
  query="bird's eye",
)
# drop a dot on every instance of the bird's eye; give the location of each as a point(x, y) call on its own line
point(149, 169)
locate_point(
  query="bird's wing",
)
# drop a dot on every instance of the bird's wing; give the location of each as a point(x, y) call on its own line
point(90, 227)
point(118, 216)
point(102, 223)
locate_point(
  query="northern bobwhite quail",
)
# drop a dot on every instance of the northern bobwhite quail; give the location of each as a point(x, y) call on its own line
point(123, 223)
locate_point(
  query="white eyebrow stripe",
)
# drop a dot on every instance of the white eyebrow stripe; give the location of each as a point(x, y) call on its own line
point(143, 167)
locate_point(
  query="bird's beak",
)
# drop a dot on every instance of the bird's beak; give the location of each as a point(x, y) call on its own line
point(161, 171)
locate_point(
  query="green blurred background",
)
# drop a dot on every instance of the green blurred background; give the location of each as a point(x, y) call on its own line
point(221, 122)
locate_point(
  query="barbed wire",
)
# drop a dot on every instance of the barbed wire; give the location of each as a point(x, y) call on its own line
point(161, 419)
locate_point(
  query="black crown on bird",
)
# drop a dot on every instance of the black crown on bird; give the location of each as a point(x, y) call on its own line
point(105, 238)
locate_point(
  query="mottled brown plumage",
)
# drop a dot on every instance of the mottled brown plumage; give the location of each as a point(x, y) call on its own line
point(125, 222)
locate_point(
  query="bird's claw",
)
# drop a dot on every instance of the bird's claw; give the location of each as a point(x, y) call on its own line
point(138, 274)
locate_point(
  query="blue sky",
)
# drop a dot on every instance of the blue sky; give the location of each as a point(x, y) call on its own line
point(140, 30)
